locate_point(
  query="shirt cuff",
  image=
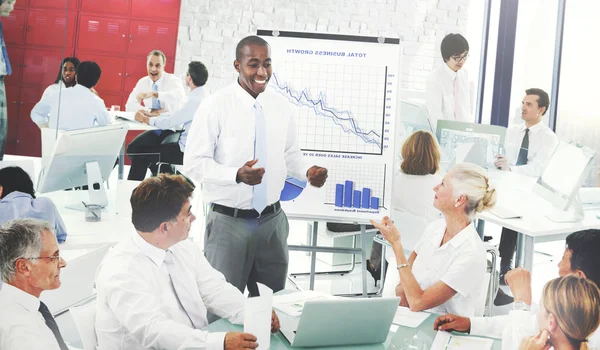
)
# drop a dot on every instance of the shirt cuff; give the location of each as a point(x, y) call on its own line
point(231, 174)
point(152, 121)
point(215, 341)
point(477, 326)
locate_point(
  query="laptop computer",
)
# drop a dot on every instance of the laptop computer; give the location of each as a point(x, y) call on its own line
point(77, 281)
point(351, 321)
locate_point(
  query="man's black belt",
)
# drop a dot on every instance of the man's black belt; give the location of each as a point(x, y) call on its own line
point(246, 213)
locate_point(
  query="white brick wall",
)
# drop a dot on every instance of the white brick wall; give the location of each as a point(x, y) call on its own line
point(210, 29)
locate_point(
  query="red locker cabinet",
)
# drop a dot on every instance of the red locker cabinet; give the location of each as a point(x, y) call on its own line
point(117, 7)
point(29, 141)
point(163, 9)
point(16, 62)
point(102, 34)
point(55, 4)
point(12, 107)
point(111, 99)
point(145, 36)
point(135, 69)
point(41, 66)
point(47, 28)
point(13, 27)
point(21, 4)
point(111, 79)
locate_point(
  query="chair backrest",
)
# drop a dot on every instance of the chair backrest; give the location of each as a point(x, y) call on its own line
point(85, 321)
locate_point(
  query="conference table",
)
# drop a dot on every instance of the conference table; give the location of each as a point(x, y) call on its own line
point(395, 339)
point(515, 193)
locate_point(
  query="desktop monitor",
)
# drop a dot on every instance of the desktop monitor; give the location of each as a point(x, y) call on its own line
point(414, 116)
point(83, 157)
point(562, 177)
point(469, 142)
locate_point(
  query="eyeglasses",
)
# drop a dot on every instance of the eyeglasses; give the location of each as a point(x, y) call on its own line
point(54, 258)
point(460, 58)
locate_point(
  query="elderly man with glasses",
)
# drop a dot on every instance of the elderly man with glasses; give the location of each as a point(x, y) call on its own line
point(30, 263)
point(448, 93)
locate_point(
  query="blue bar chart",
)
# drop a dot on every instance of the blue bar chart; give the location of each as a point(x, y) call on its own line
point(348, 197)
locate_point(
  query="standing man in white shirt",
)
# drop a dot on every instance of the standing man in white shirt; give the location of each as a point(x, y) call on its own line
point(78, 107)
point(580, 258)
point(30, 263)
point(155, 287)
point(6, 7)
point(241, 147)
point(170, 152)
point(448, 93)
point(528, 148)
point(159, 92)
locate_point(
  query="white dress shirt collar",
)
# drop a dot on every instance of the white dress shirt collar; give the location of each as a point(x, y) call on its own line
point(28, 301)
point(460, 237)
point(160, 80)
point(245, 98)
point(155, 254)
point(449, 72)
point(534, 128)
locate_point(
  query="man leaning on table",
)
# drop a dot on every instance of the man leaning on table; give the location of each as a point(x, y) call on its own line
point(580, 258)
point(30, 263)
point(155, 287)
point(528, 147)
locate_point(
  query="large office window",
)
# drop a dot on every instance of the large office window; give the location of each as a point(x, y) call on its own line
point(578, 116)
point(534, 52)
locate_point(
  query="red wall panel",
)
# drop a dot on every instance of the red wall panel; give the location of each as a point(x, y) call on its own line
point(12, 106)
point(56, 4)
point(41, 66)
point(145, 36)
point(163, 9)
point(102, 34)
point(13, 27)
point(111, 79)
point(47, 28)
point(28, 133)
point(118, 7)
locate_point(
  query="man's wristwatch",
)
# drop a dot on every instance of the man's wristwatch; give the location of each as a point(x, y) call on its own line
point(520, 306)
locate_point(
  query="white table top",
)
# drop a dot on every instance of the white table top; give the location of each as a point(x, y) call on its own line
point(515, 193)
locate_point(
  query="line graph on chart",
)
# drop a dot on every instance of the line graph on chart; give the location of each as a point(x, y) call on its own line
point(339, 108)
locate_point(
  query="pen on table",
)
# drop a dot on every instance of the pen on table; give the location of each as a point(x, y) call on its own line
point(85, 205)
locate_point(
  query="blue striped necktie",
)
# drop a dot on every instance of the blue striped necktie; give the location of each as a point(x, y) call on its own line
point(4, 52)
point(155, 104)
point(259, 198)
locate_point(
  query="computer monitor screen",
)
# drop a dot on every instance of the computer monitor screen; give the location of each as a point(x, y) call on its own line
point(66, 166)
point(564, 173)
point(414, 116)
point(483, 141)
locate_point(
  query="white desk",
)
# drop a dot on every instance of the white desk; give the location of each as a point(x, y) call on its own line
point(127, 118)
point(515, 193)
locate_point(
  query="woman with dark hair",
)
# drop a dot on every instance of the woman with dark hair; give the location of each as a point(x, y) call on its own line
point(17, 200)
point(67, 75)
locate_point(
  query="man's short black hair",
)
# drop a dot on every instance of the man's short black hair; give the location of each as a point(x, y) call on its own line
point(198, 72)
point(249, 40)
point(88, 74)
point(585, 247)
point(543, 99)
point(14, 178)
point(453, 45)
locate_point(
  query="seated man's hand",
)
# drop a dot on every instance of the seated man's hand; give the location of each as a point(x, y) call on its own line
point(501, 163)
point(144, 95)
point(450, 323)
point(238, 341)
point(519, 281)
point(274, 323)
point(316, 176)
point(142, 117)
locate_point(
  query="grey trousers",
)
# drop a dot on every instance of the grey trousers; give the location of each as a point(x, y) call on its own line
point(3, 118)
point(247, 251)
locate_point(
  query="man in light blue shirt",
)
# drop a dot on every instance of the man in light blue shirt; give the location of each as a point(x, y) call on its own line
point(6, 7)
point(170, 150)
point(75, 108)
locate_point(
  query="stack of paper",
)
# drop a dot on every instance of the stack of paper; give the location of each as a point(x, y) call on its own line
point(293, 303)
point(444, 340)
point(407, 318)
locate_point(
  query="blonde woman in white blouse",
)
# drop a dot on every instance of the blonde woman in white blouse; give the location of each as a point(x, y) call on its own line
point(446, 270)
